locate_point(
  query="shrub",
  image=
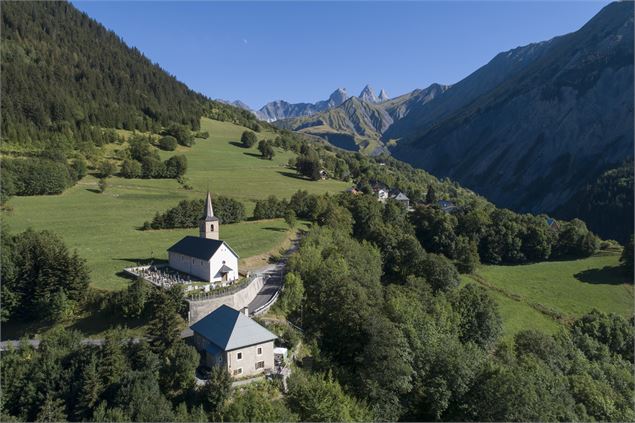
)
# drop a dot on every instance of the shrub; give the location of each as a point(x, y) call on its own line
point(270, 208)
point(79, 167)
point(175, 166)
point(168, 143)
point(131, 168)
point(106, 169)
point(102, 184)
point(35, 177)
point(248, 139)
point(181, 133)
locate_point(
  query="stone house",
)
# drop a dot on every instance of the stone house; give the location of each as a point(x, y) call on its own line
point(226, 337)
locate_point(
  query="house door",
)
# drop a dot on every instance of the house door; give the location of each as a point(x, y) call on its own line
point(224, 277)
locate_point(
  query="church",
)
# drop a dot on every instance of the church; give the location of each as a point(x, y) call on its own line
point(205, 257)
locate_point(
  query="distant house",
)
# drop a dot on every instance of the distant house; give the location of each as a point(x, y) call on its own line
point(205, 257)
point(323, 174)
point(382, 195)
point(226, 337)
point(401, 198)
point(553, 224)
point(447, 206)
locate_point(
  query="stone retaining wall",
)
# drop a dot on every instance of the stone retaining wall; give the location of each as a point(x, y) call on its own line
point(237, 300)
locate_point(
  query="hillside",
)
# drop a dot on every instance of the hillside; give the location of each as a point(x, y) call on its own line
point(606, 204)
point(54, 62)
point(104, 228)
point(557, 116)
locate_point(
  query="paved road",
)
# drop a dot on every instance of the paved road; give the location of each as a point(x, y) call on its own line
point(274, 274)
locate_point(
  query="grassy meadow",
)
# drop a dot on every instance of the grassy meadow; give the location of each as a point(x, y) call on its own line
point(103, 227)
point(543, 296)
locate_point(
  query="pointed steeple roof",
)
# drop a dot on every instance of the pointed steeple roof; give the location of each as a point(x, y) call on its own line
point(209, 211)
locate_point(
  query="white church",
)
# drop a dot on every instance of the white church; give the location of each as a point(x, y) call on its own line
point(206, 256)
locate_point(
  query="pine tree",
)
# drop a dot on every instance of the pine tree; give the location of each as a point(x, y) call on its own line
point(52, 410)
point(164, 330)
point(114, 364)
point(431, 196)
point(90, 390)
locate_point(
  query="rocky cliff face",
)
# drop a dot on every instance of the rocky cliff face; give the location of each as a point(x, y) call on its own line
point(537, 123)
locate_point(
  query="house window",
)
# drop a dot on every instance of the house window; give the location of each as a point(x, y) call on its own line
point(238, 372)
point(259, 350)
point(260, 365)
point(211, 227)
point(239, 356)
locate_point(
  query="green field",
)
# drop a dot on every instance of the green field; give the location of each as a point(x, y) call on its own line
point(104, 227)
point(529, 296)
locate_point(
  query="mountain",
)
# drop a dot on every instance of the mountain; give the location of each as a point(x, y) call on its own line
point(54, 62)
point(235, 103)
point(538, 123)
point(358, 124)
point(383, 95)
point(281, 109)
point(606, 204)
point(65, 76)
point(368, 95)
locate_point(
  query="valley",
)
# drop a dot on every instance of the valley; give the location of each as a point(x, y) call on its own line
point(460, 252)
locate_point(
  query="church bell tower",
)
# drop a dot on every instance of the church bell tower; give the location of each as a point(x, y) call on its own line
point(209, 226)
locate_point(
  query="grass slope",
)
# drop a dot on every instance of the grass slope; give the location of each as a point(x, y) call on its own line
point(531, 296)
point(104, 227)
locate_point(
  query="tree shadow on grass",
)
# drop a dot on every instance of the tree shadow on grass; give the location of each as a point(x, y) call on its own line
point(17, 329)
point(104, 320)
point(293, 175)
point(237, 144)
point(142, 261)
point(608, 275)
point(271, 228)
point(93, 190)
point(253, 155)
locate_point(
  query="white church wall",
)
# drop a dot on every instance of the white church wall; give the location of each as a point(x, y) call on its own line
point(223, 254)
point(190, 265)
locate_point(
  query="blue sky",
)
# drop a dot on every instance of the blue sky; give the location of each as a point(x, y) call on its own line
point(302, 51)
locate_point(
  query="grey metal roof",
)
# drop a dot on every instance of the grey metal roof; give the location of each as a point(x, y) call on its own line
point(401, 196)
point(201, 248)
point(230, 329)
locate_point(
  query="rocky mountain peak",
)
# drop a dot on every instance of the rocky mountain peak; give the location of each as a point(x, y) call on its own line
point(383, 95)
point(368, 94)
point(338, 97)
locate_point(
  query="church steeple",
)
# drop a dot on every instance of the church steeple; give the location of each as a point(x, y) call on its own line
point(209, 226)
point(209, 211)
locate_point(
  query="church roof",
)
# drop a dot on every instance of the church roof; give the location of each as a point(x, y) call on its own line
point(230, 329)
point(200, 248)
point(209, 211)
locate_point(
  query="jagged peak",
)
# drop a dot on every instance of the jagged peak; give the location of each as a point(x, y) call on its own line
point(368, 94)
